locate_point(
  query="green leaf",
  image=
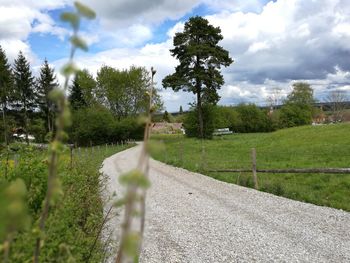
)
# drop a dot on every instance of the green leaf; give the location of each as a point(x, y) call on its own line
point(79, 43)
point(85, 11)
point(135, 177)
point(69, 69)
point(71, 18)
point(119, 202)
point(56, 95)
point(130, 244)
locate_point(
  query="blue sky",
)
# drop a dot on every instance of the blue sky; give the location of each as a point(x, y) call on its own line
point(273, 43)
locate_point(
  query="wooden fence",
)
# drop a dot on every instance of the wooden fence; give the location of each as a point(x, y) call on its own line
point(254, 170)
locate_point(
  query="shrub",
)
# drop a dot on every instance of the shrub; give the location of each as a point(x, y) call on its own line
point(92, 125)
point(191, 123)
point(292, 115)
point(252, 119)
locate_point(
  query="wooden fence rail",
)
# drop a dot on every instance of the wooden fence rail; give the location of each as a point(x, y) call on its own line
point(254, 170)
point(292, 170)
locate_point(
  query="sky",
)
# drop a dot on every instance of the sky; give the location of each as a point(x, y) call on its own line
point(273, 43)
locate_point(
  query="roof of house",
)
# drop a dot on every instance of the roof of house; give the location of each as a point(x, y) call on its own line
point(166, 125)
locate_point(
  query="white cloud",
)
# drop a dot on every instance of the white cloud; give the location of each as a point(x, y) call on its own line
point(18, 19)
point(272, 44)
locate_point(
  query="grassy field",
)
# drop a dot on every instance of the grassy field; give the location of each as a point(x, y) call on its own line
point(325, 146)
point(75, 217)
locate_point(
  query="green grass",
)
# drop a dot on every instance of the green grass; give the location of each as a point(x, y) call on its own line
point(302, 147)
point(76, 214)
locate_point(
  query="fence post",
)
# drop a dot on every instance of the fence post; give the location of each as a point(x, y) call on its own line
point(255, 178)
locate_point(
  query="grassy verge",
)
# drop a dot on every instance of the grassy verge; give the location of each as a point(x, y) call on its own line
point(76, 213)
point(301, 147)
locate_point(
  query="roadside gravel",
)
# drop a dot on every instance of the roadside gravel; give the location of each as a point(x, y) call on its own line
point(194, 218)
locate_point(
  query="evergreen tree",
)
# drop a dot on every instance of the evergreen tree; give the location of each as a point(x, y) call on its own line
point(76, 97)
point(200, 59)
point(45, 84)
point(6, 88)
point(181, 110)
point(24, 84)
point(166, 116)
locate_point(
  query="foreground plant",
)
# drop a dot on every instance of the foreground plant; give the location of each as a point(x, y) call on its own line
point(63, 118)
point(136, 182)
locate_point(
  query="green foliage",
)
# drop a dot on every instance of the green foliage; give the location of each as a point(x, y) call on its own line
point(124, 91)
point(79, 43)
point(252, 119)
point(167, 117)
point(302, 95)
point(299, 147)
point(6, 80)
point(75, 217)
point(191, 122)
point(45, 84)
point(76, 97)
point(292, 115)
point(98, 126)
point(24, 88)
point(200, 59)
point(298, 109)
point(129, 128)
point(181, 110)
point(85, 11)
point(82, 90)
point(92, 126)
point(135, 178)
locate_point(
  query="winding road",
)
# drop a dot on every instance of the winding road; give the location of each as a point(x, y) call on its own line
point(194, 218)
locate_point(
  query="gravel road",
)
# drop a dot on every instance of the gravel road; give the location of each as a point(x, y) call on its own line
point(194, 218)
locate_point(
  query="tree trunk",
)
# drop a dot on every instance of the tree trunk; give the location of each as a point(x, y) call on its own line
point(26, 122)
point(200, 113)
point(5, 124)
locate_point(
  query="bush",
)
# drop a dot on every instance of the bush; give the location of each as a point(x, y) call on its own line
point(292, 115)
point(94, 126)
point(37, 129)
point(129, 128)
point(191, 123)
point(252, 119)
point(98, 126)
point(226, 117)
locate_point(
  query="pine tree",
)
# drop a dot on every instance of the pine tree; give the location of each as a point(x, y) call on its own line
point(24, 84)
point(45, 84)
point(6, 89)
point(200, 59)
point(76, 97)
point(181, 110)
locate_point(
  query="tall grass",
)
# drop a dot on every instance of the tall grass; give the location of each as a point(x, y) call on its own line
point(302, 147)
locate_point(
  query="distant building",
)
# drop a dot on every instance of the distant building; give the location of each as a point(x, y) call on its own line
point(167, 128)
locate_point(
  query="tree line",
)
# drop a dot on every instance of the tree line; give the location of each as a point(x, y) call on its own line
point(104, 108)
point(200, 60)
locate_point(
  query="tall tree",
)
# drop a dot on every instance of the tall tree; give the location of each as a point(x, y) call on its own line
point(24, 84)
point(82, 90)
point(338, 99)
point(200, 59)
point(298, 107)
point(76, 98)
point(302, 95)
point(123, 91)
point(45, 84)
point(181, 110)
point(6, 89)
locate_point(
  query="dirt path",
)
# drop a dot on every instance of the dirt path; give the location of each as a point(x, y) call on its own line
point(194, 218)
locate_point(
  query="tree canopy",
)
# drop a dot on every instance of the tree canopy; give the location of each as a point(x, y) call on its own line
point(24, 84)
point(200, 59)
point(45, 84)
